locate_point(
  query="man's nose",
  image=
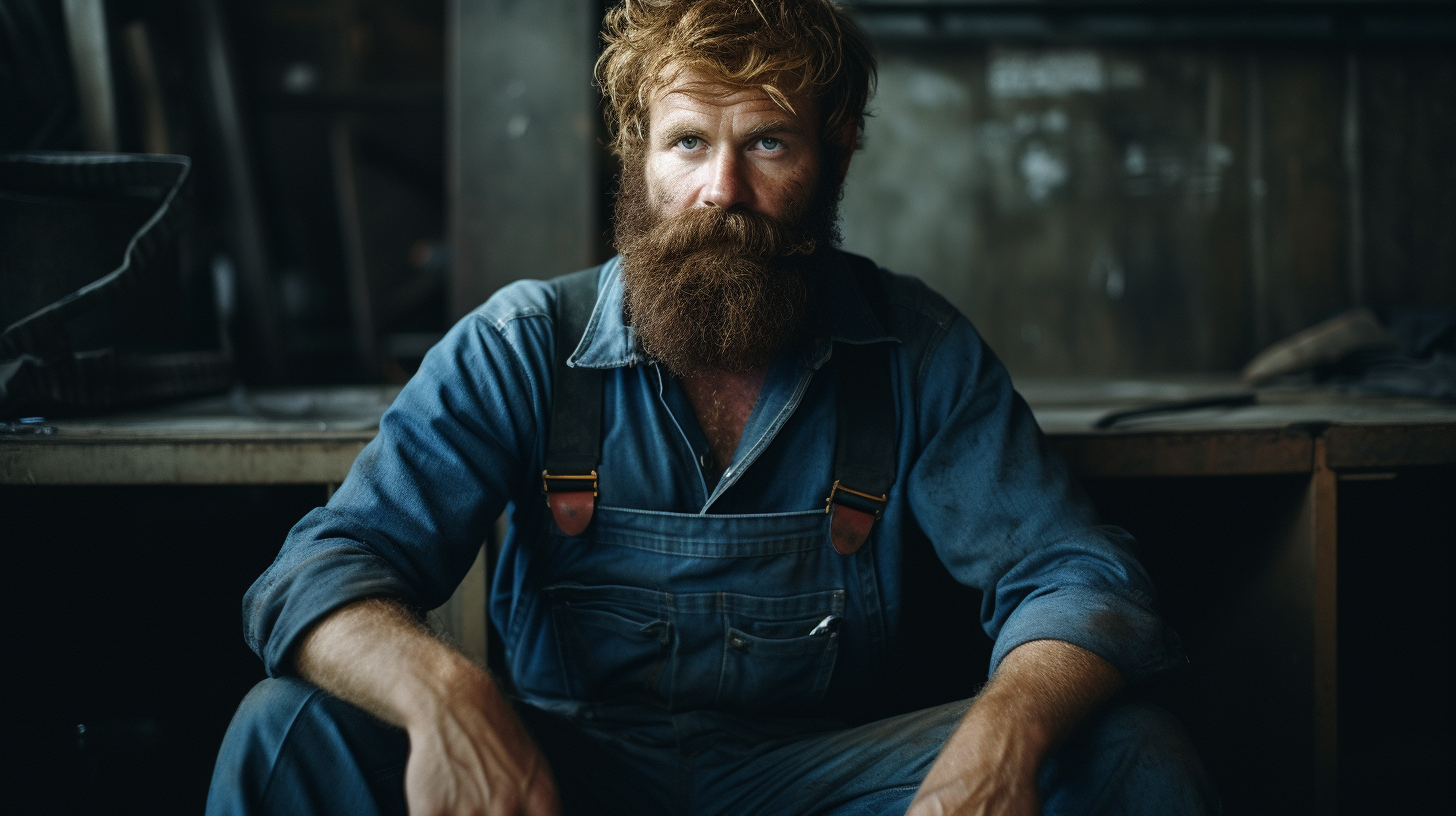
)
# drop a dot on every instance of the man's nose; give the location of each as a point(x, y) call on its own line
point(726, 185)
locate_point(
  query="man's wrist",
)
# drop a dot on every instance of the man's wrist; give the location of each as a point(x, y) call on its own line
point(1010, 734)
point(448, 680)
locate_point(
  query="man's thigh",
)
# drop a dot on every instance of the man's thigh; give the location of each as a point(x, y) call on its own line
point(864, 771)
point(608, 770)
point(292, 748)
point(1132, 758)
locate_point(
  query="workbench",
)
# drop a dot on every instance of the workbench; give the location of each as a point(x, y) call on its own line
point(1237, 509)
point(1264, 639)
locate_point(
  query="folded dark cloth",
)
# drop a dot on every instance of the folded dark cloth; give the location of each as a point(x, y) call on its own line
point(1422, 364)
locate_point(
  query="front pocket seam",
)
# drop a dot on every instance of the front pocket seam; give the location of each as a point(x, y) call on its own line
point(803, 643)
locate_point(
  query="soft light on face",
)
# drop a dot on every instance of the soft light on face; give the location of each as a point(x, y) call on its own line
point(709, 146)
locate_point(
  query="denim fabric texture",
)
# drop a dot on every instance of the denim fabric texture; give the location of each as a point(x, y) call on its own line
point(294, 749)
point(687, 594)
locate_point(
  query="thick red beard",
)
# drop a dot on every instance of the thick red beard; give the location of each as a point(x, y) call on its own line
point(709, 289)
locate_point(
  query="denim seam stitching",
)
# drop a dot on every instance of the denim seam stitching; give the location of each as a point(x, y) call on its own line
point(287, 736)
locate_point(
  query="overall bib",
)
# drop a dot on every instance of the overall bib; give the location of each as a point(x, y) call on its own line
point(672, 612)
point(668, 612)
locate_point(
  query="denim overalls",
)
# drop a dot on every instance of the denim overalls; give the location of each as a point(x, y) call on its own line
point(690, 652)
point(670, 611)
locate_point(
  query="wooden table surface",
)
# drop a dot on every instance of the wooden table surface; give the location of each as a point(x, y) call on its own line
point(1275, 435)
point(275, 436)
point(311, 436)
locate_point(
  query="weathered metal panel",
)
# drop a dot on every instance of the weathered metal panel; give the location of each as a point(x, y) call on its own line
point(1080, 205)
point(1409, 154)
point(1147, 207)
point(523, 124)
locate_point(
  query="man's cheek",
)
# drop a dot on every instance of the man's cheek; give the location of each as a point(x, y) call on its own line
point(670, 187)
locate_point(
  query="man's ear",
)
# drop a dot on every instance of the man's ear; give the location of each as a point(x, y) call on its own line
point(845, 140)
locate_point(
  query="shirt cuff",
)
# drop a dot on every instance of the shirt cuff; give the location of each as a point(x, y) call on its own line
point(1120, 630)
point(281, 611)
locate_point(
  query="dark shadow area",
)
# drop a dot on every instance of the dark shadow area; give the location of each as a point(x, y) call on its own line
point(942, 654)
point(1212, 545)
point(1397, 555)
point(130, 658)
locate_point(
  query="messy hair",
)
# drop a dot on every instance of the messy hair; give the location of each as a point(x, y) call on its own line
point(780, 47)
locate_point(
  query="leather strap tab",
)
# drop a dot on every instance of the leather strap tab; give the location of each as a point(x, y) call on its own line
point(572, 510)
point(848, 528)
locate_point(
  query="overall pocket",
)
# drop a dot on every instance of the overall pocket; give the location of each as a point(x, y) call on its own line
point(778, 653)
point(615, 641)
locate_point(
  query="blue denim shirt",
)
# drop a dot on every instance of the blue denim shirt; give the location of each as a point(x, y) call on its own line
point(466, 440)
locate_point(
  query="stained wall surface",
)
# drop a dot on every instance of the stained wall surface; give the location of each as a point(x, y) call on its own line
point(1145, 208)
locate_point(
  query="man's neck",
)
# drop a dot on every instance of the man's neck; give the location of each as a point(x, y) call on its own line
point(722, 402)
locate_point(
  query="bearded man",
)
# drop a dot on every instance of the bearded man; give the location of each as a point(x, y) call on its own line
point(741, 432)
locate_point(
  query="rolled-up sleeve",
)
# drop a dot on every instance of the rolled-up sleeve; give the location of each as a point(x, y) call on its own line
point(407, 522)
point(1005, 517)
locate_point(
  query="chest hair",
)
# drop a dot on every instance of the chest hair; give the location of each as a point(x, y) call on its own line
point(722, 402)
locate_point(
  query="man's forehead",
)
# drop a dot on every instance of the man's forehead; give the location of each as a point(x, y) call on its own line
point(686, 87)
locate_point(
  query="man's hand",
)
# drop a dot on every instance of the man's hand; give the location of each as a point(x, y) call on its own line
point(465, 761)
point(988, 767)
point(989, 774)
point(469, 753)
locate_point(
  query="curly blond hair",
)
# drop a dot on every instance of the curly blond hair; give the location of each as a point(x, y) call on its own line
point(782, 47)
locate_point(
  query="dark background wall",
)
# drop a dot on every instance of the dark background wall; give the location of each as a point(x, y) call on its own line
point(1127, 205)
point(1108, 187)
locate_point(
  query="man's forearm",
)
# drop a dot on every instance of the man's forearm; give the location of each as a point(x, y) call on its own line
point(1043, 689)
point(375, 655)
point(1040, 693)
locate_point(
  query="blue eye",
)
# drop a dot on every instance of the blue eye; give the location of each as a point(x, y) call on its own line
point(689, 142)
point(770, 143)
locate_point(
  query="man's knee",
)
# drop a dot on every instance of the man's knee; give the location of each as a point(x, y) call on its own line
point(1132, 758)
point(260, 726)
point(291, 742)
point(273, 705)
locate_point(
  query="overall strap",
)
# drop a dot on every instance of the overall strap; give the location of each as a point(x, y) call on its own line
point(864, 448)
point(574, 438)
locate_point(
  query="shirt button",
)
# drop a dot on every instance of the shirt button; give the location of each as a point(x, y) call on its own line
point(736, 641)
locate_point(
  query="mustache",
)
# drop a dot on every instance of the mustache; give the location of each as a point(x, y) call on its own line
point(752, 236)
